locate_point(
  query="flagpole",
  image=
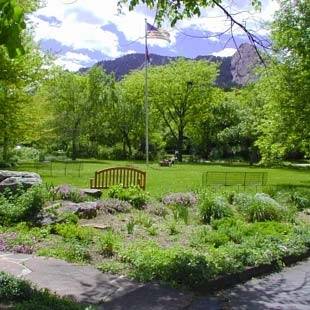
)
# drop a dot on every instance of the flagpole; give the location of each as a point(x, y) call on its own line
point(146, 107)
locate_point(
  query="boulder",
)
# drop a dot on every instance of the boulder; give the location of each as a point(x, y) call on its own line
point(82, 209)
point(96, 193)
point(14, 179)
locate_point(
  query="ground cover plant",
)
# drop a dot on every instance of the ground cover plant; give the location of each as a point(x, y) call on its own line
point(18, 294)
point(185, 239)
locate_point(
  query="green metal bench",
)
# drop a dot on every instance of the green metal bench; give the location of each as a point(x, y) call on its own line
point(234, 178)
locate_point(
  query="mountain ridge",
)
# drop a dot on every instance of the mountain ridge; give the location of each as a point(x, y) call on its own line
point(229, 67)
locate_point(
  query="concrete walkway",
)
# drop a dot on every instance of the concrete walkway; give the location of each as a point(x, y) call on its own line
point(289, 289)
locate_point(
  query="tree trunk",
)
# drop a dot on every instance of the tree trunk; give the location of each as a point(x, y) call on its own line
point(180, 145)
point(74, 149)
point(5, 154)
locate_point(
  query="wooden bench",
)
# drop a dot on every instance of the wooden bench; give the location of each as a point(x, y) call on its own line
point(234, 178)
point(126, 176)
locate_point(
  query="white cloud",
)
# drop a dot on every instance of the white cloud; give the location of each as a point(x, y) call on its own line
point(73, 61)
point(226, 52)
point(90, 24)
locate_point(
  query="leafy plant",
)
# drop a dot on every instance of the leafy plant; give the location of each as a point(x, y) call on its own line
point(206, 236)
point(13, 289)
point(213, 207)
point(26, 297)
point(24, 207)
point(72, 251)
point(152, 230)
point(301, 198)
point(109, 243)
point(172, 226)
point(180, 212)
point(130, 226)
point(134, 195)
point(144, 220)
point(73, 231)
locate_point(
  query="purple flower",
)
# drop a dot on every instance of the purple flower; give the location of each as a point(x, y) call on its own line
point(2, 245)
point(23, 249)
point(186, 199)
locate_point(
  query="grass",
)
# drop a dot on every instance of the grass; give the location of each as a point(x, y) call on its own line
point(160, 180)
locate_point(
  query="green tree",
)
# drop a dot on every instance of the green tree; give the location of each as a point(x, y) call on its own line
point(285, 87)
point(67, 93)
point(18, 80)
point(179, 9)
point(12, 24)
point(180, 93)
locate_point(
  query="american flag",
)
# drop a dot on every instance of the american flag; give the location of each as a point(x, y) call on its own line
point(156, 33)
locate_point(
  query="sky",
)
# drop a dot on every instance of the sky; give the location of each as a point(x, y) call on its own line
point(82, 32)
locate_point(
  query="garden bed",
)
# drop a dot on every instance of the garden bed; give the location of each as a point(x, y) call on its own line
point(203, 241)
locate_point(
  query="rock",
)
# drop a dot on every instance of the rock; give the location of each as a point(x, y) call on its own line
point(96, 193)
point(13, 179)
point(243, 63)
point(97, 226)
point(45, 219)
point(82, 209)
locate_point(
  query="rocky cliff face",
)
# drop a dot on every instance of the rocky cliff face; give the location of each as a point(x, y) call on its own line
point(233, 71)
point(243, 63)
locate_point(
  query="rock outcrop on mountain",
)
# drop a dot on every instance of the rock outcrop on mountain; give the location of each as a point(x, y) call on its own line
point(243, 63)
point(233, 71)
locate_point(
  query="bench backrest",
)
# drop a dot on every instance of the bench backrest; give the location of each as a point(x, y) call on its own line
point(234, 178)
point(126, 176)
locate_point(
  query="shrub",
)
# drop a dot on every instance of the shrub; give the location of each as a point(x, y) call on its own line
point(177, 266)
point(213, 207)
point(183, 199)
point(109, 243)
point(13, 289)
point(134, 195)
point(26, 297)
point(301, 198)
point(24, 207)
point(260, 207)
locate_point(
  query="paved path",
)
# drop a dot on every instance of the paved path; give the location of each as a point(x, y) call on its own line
point(289, 289)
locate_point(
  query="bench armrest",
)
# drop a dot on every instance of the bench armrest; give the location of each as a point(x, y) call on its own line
point(91, 181)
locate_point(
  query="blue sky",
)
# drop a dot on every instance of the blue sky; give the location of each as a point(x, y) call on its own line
point(83, 32)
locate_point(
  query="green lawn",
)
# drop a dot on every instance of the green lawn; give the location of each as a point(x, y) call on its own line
point(180, 177)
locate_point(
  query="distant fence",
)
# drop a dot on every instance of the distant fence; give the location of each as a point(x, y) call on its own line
point(231, 178)
point(54, 168)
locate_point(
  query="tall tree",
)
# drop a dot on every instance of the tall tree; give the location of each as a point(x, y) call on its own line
point(67, 92)
point(180, 93)
point(285, 86)
point(18, 80)
point(12, 24)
